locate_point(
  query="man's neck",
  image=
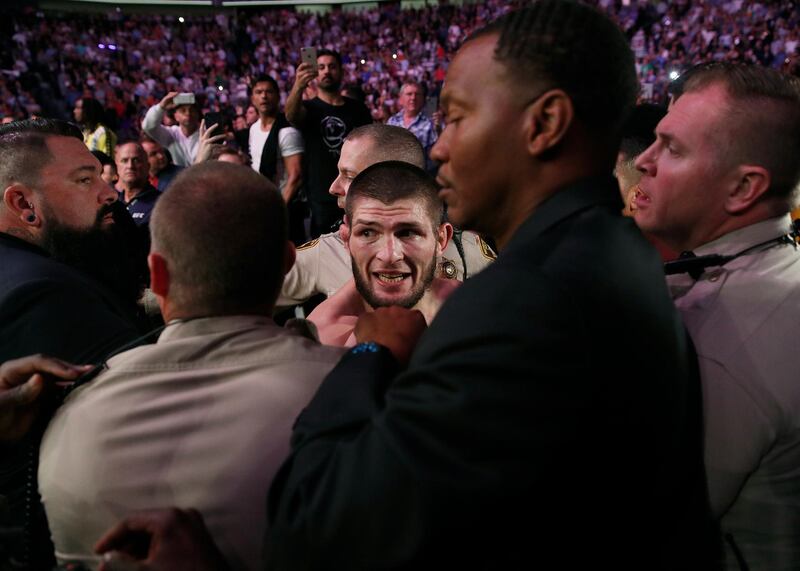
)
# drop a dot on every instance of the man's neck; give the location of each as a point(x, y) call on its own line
point(187, 133)
point(21, 233)
point(131, 192)
point(267, 121)
point(330, 97)
point(408, 118)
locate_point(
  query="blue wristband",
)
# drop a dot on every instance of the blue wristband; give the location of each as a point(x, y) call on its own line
point(370, 347)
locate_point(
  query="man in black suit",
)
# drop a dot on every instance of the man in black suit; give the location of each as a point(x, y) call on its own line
point(58, 230)
point(518, 435)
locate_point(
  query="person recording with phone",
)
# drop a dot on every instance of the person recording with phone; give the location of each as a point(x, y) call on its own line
point(181, 140)
point(324, 122)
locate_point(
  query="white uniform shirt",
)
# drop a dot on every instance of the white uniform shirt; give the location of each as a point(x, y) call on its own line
point(744, 319)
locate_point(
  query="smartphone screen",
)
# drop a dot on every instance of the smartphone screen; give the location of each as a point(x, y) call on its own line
point(212, 119)
point(431, 106)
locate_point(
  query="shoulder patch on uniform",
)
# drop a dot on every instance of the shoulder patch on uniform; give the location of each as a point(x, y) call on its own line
point(308, 245)
point(486, 250)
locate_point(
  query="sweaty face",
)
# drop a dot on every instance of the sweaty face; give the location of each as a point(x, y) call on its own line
point(355, 156)
point(265, 98)
point(132, 165)
point(482, 147)
point(329, 74)
point(412, 99)
point(71, 190)
point(681, 193)
point(393, 250)
point(156, 158)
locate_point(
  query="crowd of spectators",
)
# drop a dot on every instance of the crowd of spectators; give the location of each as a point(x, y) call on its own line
point(130, 61)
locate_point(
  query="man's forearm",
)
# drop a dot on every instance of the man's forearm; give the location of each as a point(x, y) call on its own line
point(294, 176)
point(295, 111)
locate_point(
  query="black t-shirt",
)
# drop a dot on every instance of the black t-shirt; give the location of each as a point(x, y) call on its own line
point(324, 130)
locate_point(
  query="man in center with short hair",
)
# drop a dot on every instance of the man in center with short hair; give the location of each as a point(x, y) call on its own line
point(323, 265)
point(395, 236)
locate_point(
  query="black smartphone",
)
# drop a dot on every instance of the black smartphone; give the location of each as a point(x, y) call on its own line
point(212, 119)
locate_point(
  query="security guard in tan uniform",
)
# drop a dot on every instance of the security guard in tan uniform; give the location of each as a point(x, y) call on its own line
point(323, 264)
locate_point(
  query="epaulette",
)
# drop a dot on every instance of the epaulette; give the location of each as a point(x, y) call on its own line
point(308, 245)
point(486, 250)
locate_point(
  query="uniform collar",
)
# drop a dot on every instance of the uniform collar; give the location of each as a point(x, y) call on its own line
point(738, 240)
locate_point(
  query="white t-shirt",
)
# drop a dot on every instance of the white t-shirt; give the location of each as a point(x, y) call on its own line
point(290, 142)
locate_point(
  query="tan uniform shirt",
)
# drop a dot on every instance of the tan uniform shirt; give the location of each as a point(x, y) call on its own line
point(200, 419)
point(323, 266)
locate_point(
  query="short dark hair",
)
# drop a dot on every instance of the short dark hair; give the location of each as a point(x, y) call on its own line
point(263, 79)
point(574, 47)
point(326, 52)
point(23, 148)
point(222, 227)
point(390, 143)
point(93, 112)
point(390, 181)
point(762, 123)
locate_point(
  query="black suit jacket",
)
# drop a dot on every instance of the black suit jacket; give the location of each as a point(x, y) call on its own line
point(46, 307)
point(549, 418)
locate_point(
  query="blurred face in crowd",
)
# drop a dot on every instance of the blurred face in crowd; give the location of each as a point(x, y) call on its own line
point(483, 144)
point(251, 115)
point(109, 175)
point(156, 157)
point(188, 118)
point(355, 156)
point(266, 99)
point(132, 165)
point(240, 123)
point(680, 197)
point(329, 74)
point(78, 111)
point(393, 250)
point(412, 99)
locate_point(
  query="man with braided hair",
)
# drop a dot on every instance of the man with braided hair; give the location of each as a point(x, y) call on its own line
point(516, 437)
